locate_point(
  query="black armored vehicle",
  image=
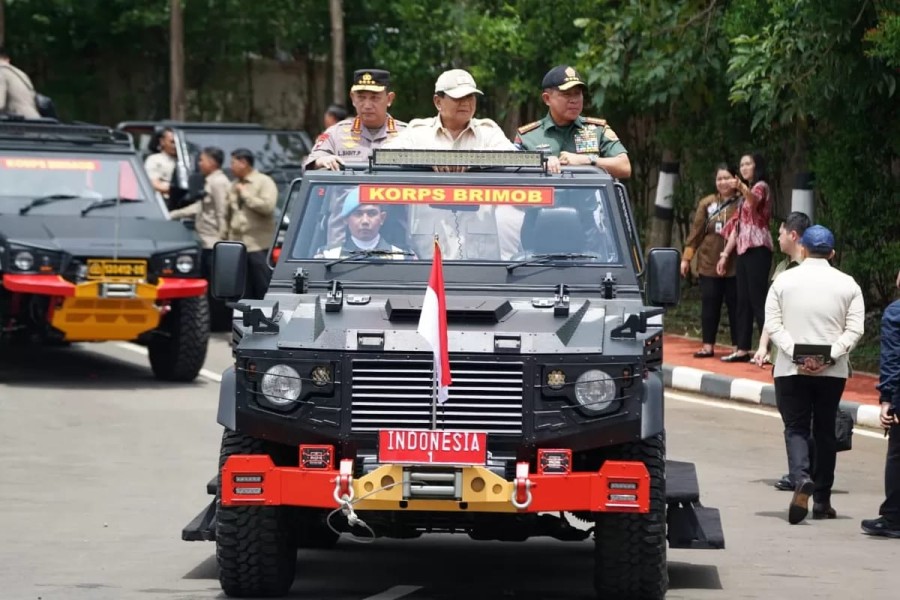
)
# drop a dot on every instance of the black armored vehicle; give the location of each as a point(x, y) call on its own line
point(87, 252)
point(553, 424)
point(279, 152)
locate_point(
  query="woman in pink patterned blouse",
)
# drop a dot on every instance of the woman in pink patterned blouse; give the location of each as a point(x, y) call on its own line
point(748, 232)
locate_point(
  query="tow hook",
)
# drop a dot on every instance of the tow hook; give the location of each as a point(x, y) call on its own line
point(343, 491)
point(521, 496)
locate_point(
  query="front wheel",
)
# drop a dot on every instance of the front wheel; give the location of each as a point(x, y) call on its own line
point(630, 548)
point(256, 546)
point(178, 348)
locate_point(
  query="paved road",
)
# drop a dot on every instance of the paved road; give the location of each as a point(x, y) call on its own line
point(101, 466)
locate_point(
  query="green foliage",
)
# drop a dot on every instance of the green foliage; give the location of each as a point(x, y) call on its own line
point(803, 58)
point(811, 83)
point(884, 39)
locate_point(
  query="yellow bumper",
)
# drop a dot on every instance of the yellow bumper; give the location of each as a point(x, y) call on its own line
point(482, 491)
point(84, 318)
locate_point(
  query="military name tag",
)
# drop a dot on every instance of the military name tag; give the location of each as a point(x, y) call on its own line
point(586, 140)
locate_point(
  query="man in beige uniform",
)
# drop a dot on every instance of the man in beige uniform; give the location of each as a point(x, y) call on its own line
point(353, 139)
point(250, 218)
point(209, 211)
point(465, 235)
point(16, 90)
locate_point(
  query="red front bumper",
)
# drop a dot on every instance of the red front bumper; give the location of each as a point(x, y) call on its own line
point(168, 288)
point(619, 486)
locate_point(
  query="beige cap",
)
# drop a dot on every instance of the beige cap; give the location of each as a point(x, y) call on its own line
point(456, 83)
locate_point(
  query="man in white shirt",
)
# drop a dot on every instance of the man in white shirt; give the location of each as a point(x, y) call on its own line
point(16, 90)
point(464, 234)
point(455, 126)
point(160, 167)
point(812, 303)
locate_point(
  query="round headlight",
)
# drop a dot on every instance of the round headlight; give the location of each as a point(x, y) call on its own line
point(595, 390)
point(184, 264)
point(281, 385)
point(23, 260)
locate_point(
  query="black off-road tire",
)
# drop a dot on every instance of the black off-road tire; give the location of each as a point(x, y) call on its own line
point(178, 349)
point(630, 549)
point(256, 546)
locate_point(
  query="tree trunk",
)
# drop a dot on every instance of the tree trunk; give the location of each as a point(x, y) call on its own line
point(338, 84)
point(177, 100)
point(663, 212)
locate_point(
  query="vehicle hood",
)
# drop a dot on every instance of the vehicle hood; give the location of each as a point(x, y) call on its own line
point(96, 236)
point(475, 325)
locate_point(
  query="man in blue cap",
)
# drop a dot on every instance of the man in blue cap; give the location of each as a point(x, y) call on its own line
point(817, 306)
point(363, 230)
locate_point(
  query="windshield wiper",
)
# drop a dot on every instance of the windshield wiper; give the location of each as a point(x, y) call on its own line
point(542, 258)
point(367, 254)
point(46, 200)
point(105, 203)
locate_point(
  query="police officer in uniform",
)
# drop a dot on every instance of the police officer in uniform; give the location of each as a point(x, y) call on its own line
point(353, 139)
point(568, 137)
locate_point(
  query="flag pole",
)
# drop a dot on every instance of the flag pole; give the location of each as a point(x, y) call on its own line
point(435, 383)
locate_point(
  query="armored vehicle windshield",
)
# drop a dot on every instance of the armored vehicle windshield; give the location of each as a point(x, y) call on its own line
point(55, 183)
point(500, 221)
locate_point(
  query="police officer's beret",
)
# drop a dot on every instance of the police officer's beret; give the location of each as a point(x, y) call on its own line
point(370, 80)
point(563, 77)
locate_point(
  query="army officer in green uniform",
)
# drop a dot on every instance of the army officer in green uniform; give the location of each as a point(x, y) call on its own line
point(568, 137)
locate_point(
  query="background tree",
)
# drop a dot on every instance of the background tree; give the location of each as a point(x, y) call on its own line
point(810, 83)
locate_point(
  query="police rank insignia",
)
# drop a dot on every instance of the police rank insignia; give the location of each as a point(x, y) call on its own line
point(586, 141)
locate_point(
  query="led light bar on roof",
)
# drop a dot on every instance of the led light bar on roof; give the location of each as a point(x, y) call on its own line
point(383, 157)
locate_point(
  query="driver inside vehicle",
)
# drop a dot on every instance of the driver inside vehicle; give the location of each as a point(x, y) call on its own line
point(363, 224)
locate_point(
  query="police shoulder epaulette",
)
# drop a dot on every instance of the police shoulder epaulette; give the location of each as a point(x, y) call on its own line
point(595, 121)
point(529, 127)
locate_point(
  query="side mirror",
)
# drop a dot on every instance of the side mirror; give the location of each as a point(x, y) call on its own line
point(229, 271)
point(663, 278)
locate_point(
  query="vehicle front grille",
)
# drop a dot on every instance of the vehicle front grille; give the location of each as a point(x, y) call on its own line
point(484, 396)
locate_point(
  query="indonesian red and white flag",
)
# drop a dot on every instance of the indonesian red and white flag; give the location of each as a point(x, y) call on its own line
point(433, 325)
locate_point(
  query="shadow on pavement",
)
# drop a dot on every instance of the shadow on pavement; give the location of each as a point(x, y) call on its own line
point(208, 569)
point(78, 367)
point(537, 570)
point(688, 576)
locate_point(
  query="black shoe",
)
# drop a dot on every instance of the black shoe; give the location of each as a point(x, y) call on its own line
point(823, 510)
point(735, 357)
point(799, 507)
point(880, 526)
point(784, 484)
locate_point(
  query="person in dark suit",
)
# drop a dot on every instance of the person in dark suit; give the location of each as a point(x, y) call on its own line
point(888, 523)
